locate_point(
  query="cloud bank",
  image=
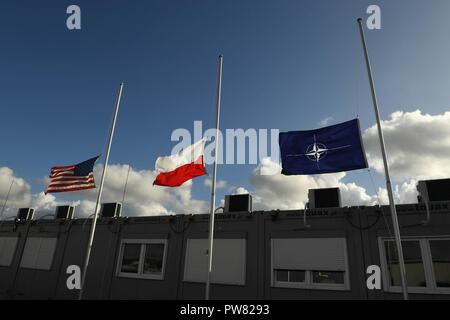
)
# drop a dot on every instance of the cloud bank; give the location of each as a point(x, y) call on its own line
point(417, 144)
point(418, 147)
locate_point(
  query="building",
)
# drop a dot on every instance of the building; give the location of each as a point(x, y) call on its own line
point(257, 255)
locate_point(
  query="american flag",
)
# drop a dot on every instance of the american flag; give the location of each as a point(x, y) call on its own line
point(72, 178)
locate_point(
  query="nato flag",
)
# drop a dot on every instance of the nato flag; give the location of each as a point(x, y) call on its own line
point(330, 149)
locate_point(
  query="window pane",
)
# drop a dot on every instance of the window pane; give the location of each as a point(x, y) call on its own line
point(281, 275)
point(440, 252)
point(154, 254)
point(415, 275)
point(130, 259)
point(296, 276)
point(333, 277)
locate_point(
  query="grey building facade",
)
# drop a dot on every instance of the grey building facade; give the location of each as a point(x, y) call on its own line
point(258, 255)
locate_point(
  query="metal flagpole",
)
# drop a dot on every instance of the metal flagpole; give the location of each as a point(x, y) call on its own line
point(99, 195)
point(386, 168)
point(126, 183)
point(6, 200)
point(213, 191)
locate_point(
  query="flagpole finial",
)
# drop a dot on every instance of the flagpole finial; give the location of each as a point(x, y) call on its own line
point(359, 19)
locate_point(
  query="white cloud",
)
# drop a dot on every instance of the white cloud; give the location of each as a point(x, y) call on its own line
point(44, 204)
point(404, 193)
point(325, 121)
point(20, 190)
point(240, 190)
point(141, 197)
point(291, 192)
point(20, 195)
point(418, 145)
point(418, 148)
point(220, 184)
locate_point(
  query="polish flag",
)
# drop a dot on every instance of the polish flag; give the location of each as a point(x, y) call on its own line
point(176, 169)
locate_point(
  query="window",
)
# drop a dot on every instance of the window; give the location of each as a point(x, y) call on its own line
point(229, 261)
point(427, 264)
point(440, 254)
point(130, 258)
point(38, 253)
point(7, 250)
point(289, 275)
point(154, 254)
point(310, 263)
point(142, 259)
point(330, 277)
point(412, 256)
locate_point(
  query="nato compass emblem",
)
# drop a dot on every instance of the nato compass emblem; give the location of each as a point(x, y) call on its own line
point(317, 151)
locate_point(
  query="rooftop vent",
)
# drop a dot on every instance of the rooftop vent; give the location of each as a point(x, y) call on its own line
point(64, 212)
point(25, 214)
point(434, 190)
point(238, 203)
point(111, 210)
point(324, 198)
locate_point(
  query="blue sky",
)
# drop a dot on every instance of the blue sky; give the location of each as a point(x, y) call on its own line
point(287, 65)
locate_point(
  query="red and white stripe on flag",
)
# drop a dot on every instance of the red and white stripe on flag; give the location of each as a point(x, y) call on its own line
point(62, 179)
point(176, 169)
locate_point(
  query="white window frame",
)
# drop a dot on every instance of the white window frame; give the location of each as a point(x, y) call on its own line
point(140, 274)
point(427, 261)
point(308, 283)
point(288, 284)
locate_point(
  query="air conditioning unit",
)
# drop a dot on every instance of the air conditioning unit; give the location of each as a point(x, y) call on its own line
point(64, 212)
point(25, 214)
point(238, 203)
point(434, 190)
point(111, 210)
point(324, 198)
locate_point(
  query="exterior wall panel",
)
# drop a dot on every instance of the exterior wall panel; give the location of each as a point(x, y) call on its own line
point(361, 227)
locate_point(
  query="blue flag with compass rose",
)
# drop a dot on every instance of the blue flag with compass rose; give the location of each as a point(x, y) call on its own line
point(330, 149)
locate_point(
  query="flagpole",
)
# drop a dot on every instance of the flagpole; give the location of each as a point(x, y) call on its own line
point(99, 195)
point(6, 200)
point(125, 187)
point(213, 187)
point(386, 168)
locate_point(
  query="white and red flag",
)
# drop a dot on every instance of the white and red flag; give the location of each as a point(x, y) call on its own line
point(176, 169)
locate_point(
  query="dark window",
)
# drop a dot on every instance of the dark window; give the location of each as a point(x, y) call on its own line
point(440, 253)
point(415, 275)
point(282, 275)
point(296, 276)
point(330, 277)
point(130, 258)
point(154, 254)
point(290, 275)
